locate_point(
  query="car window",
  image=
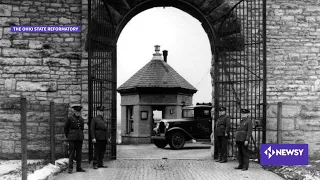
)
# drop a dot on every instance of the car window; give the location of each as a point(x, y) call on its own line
point(206, 112)
point(187, 113)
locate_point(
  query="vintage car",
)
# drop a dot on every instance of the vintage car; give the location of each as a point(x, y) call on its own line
point(196, 123)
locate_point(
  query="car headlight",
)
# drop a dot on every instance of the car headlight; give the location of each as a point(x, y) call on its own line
point(156, 129)
point(167, 125)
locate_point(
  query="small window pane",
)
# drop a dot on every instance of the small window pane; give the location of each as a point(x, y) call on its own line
point(188, 113)
point(206, 112)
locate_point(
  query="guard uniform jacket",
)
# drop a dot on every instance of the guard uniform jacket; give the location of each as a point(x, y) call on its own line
point(244, 131)
point(73, 128)
point(99, 130)
point(222, 126)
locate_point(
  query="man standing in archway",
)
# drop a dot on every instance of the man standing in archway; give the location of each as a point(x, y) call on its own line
point(99, 134)
point(73, 130)
point(222, 133)
point(243, 135)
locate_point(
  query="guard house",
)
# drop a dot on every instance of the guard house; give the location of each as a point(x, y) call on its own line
point(155, 87)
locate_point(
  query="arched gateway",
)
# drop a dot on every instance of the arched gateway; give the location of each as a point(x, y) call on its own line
point(237, 33)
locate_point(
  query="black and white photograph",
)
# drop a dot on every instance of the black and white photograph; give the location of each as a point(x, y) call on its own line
point(159, 89)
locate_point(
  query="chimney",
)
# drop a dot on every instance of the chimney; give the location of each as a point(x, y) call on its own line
point(157, 55)
point(165, 54)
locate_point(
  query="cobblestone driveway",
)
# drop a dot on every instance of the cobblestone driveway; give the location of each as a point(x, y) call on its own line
point(146, 164)
point(150, 151)
point(156, 169)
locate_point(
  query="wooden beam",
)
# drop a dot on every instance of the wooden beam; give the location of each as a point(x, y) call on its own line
point(24, 138)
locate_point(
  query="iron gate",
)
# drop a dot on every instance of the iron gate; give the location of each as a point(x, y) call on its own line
point(102, 70)
point(240, 69)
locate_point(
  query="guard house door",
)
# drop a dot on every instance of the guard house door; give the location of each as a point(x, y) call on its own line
point(102, 66)
point(158, 113)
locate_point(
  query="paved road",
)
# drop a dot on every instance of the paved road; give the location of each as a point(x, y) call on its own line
point(196, 150)
point(144, 162)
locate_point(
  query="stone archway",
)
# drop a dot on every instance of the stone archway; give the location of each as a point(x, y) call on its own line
point(210, 13)
point(224, 21)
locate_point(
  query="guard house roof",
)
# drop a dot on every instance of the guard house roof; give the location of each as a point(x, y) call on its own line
point(157, 75)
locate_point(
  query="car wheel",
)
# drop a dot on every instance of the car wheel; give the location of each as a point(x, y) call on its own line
point(176, 140)
point(160, 143)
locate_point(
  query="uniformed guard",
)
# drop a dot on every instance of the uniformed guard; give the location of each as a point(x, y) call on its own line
point(243, 134)
point(100, 136)
point(73, 130)
point(216, 152)
point(222, 133)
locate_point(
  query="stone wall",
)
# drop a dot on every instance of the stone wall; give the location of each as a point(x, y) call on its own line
point(293, 47)
point(38, 128)
point(43, 67)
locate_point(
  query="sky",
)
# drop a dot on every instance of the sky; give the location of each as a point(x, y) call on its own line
point(181, 34)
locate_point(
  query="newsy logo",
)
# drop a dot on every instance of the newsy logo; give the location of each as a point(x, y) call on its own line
point(284, 154)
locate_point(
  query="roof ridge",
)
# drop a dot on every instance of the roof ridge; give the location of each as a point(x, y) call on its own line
point(145, 69)
point(138, 74)
point(170, 73)
point(180, 77)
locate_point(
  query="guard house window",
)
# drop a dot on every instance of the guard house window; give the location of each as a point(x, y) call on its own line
point(129, 119)
point(144, 115)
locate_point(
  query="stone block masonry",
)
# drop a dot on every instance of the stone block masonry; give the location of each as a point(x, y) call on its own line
point(293, 38)
point(43, 67)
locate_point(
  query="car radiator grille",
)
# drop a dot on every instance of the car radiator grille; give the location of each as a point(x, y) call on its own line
point(162, 127)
